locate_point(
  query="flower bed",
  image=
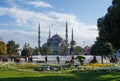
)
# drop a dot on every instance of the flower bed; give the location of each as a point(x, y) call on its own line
point(99, 65)
point(98, 68)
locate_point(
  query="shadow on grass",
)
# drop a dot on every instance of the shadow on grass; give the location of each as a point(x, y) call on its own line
point(99, 76)
point(76, 77)
point(45, 78)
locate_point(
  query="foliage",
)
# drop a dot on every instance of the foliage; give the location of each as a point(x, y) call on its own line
point(81, 59)
point(46, 50)
point(27, 50)
point(92, 72)
point(102, 49)
point(35, 51)
point(100, 68)
point(3, 48)
point(27, 66)
point(72, 42)
point(8, 75)
point(100, 65)
point(10, 66)
point(18, 67)
point(12, 48)
point(78, 50)
point(108, 26)
point(62, 51)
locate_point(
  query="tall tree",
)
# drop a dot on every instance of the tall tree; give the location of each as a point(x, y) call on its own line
point(3, 48)
point(109, 25)
point(12, 48)
point(27, 50)
point(35, 51)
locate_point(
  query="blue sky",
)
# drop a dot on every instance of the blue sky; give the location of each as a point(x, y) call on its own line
point(19, 19)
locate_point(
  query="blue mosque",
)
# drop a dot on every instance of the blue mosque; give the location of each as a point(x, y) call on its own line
point(56, 42)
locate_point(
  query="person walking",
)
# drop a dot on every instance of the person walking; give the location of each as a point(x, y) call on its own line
point(46, 60)
point(58, 59)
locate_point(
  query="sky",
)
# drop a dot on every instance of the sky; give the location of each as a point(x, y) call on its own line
point(19, 20)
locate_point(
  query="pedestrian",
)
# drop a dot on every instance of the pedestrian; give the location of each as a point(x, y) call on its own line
point(72, 60)
point(46, 59)
point(58, 59)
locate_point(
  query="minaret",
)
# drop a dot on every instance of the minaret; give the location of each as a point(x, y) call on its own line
point(39, 37)
point(66, 33)
point(66, 38)
point(48, 38)
point(49, 34)
point(72, 43)
point(72, 35)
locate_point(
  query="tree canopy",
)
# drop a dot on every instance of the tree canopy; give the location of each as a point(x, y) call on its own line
point(12, 48)
point(109, 25)
point(78, 50)
point(102, 49)
point(3, 48)
point(46, 50)
point(27, 50)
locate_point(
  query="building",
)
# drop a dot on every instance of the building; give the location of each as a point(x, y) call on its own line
point(57, 43)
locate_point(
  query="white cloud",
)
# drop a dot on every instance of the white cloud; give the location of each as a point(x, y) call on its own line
point(19, 36)
point(40, 4)
point(53, 20)
point(12, 3)
point(3, 11)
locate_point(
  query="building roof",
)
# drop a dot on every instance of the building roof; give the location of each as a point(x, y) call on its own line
point(56, 36)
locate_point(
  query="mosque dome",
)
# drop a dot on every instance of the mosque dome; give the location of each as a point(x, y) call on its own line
point(56, 42)
point(56, 36)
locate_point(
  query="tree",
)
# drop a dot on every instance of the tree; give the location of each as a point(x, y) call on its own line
point(35, 51)
point(27, 50)
point(78, 50)
point(109, 25)
point(3, 48)
point(12, 48)
point(62, 51)
point(102, 49)
point(46, 50)
point(81, 59)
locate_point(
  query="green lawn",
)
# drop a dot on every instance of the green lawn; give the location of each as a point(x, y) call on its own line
point(10, 75)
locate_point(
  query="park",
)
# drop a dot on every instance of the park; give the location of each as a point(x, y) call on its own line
point(58, 56)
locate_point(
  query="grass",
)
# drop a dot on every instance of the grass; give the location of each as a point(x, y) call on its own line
point(13, 75)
